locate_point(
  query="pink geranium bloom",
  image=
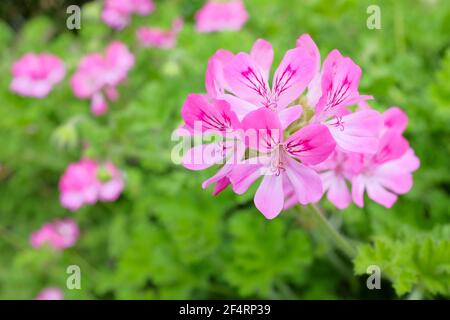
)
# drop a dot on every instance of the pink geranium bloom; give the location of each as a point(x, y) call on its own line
point(117, 13)
point(388, 172)
point(81, 184)
point(34, 75)
point(202, 116)
point(158, 38)
point(243, 80)
point(282, 162)
point(299, 156)
point(221, 16)
point(332, 91)
point(50, 294)
point(59, 234)
point(97, 76)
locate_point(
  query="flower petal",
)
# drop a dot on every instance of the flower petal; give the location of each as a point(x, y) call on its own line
point(358, 131)
point(289, 115)
point(338, 192)
point(214, 80)
point(311, 144)
point(380, 195)
point(262, 53)
point(306, 182)
point(203, 156)
point(201, 115)
point(340, 81)
point(247, 79)
point(292, 76)
point(269, 197)
point(263, 130)
point(395, 119)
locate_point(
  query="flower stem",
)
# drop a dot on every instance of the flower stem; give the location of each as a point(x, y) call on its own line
point(339, 240)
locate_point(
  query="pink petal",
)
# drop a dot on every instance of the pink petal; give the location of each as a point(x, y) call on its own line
point(306, 182)
point(200, 114)
point(288, 115)
point(269, 197)
point(340, 81)
point(243, 175)
point(305, 41)
point(247, 79)
point(311, 144)
point(240, 107)
point(292, 76)
point(358, 131)
point(380, 195)
point(262, 54)
point(358, 185)
point(391, 146)
point(395, 119)
point(263, 130)
point(203, 156)
point(98, 104)
point(214, 80)
point(338, 193)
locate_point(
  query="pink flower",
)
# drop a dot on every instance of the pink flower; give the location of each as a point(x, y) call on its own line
point(59, 234)
point(202, 116)
point(388, 172)
point(117, 13)
point(50, 294)
point(242, 80)
point(98, 75)
point(332, 90)
point(34, 75)
point(158, 38)
point(221, 16)
point(283, 162)
point(86, 182)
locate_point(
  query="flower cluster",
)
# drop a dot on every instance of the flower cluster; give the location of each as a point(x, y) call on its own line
point(87, 182)
point(59, 234)
point(117, 13)
point(98, 75)
point(34, 75)
point(217, 15)
point(303, 133)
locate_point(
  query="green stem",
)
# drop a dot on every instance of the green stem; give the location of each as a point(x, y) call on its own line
point(339, 240)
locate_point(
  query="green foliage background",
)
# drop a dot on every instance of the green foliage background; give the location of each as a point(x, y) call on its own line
point(168, 238)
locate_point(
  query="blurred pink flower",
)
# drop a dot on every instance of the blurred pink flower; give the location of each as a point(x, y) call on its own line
point(158, 38)
point(87, 182)
point(34, 75)
point(59, 234)
point(98, 75)
point(220, 16)
point(117, 13)
point(50, 294)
